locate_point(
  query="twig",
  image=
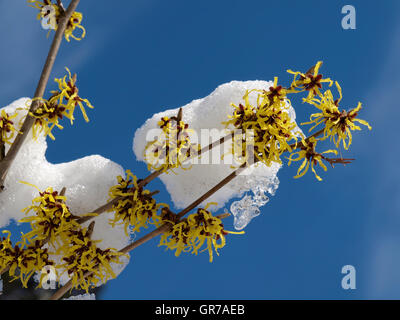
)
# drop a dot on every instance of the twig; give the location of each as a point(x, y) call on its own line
point(62, 192)
point(314, 135)
point(6, 163)
point(60, 4)
point(213, 190)
point(2, 150)
point(150, 178)
point(90, 229)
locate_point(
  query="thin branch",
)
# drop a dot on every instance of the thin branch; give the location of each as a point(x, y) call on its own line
point(314, 135)
point(2, 150)
point(90, 229)
point(150, 178)
point(60, 4)
point(62, 192)
point(213, 190)
point(6, 163)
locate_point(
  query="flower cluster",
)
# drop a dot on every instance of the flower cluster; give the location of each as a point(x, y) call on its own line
point(199, 229)
point(268, 121)
point(173, 147)
point(23, 260)
point(5, 248)
point(272, 129)
point(54, 224)
point(135, 207)
point(310, 81)
point(53, 12)
point(52, 218)
point(85, 263)
point(7, 129)
point(338, 124)
point(61, 104)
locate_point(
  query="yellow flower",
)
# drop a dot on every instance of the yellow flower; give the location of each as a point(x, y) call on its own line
point(73, 23)
point(47, 116)
point(309, 156)
point(82, 256)
point(199, 229)
point(6, 251)
point(23, 260)
point(310, 81)
point(61, 104)
point(172, 148)
point(137, 208)
point(276, 95)
point(52, 218)
point(338, 124)
point(69, 91)
point(270, 123)
point(7, 129)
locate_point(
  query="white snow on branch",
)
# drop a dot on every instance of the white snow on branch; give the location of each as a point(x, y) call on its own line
point(87, 181)
point(86, 296)
point(209, 113)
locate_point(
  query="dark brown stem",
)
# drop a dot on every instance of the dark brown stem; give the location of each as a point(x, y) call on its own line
point(62, 192)
point(2, 150)
point(60, 4)
point(6, 163)
point(90, 229)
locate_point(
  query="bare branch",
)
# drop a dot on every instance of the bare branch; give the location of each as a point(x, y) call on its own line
point(62, 192)
point(6, 163)
point(60, 4)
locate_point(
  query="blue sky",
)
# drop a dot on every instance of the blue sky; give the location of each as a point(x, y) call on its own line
point(153, 55)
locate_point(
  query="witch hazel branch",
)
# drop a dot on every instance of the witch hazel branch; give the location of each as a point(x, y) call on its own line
point(85, 235)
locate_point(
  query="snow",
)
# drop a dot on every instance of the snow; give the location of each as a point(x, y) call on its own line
point(86, 296)
point(186, 186)
point(87, 181)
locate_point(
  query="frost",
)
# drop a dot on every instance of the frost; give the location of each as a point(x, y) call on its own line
point(86, 296)
point(208, 113)
point(87, 181)
point(247, 208)
point(244, 210)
